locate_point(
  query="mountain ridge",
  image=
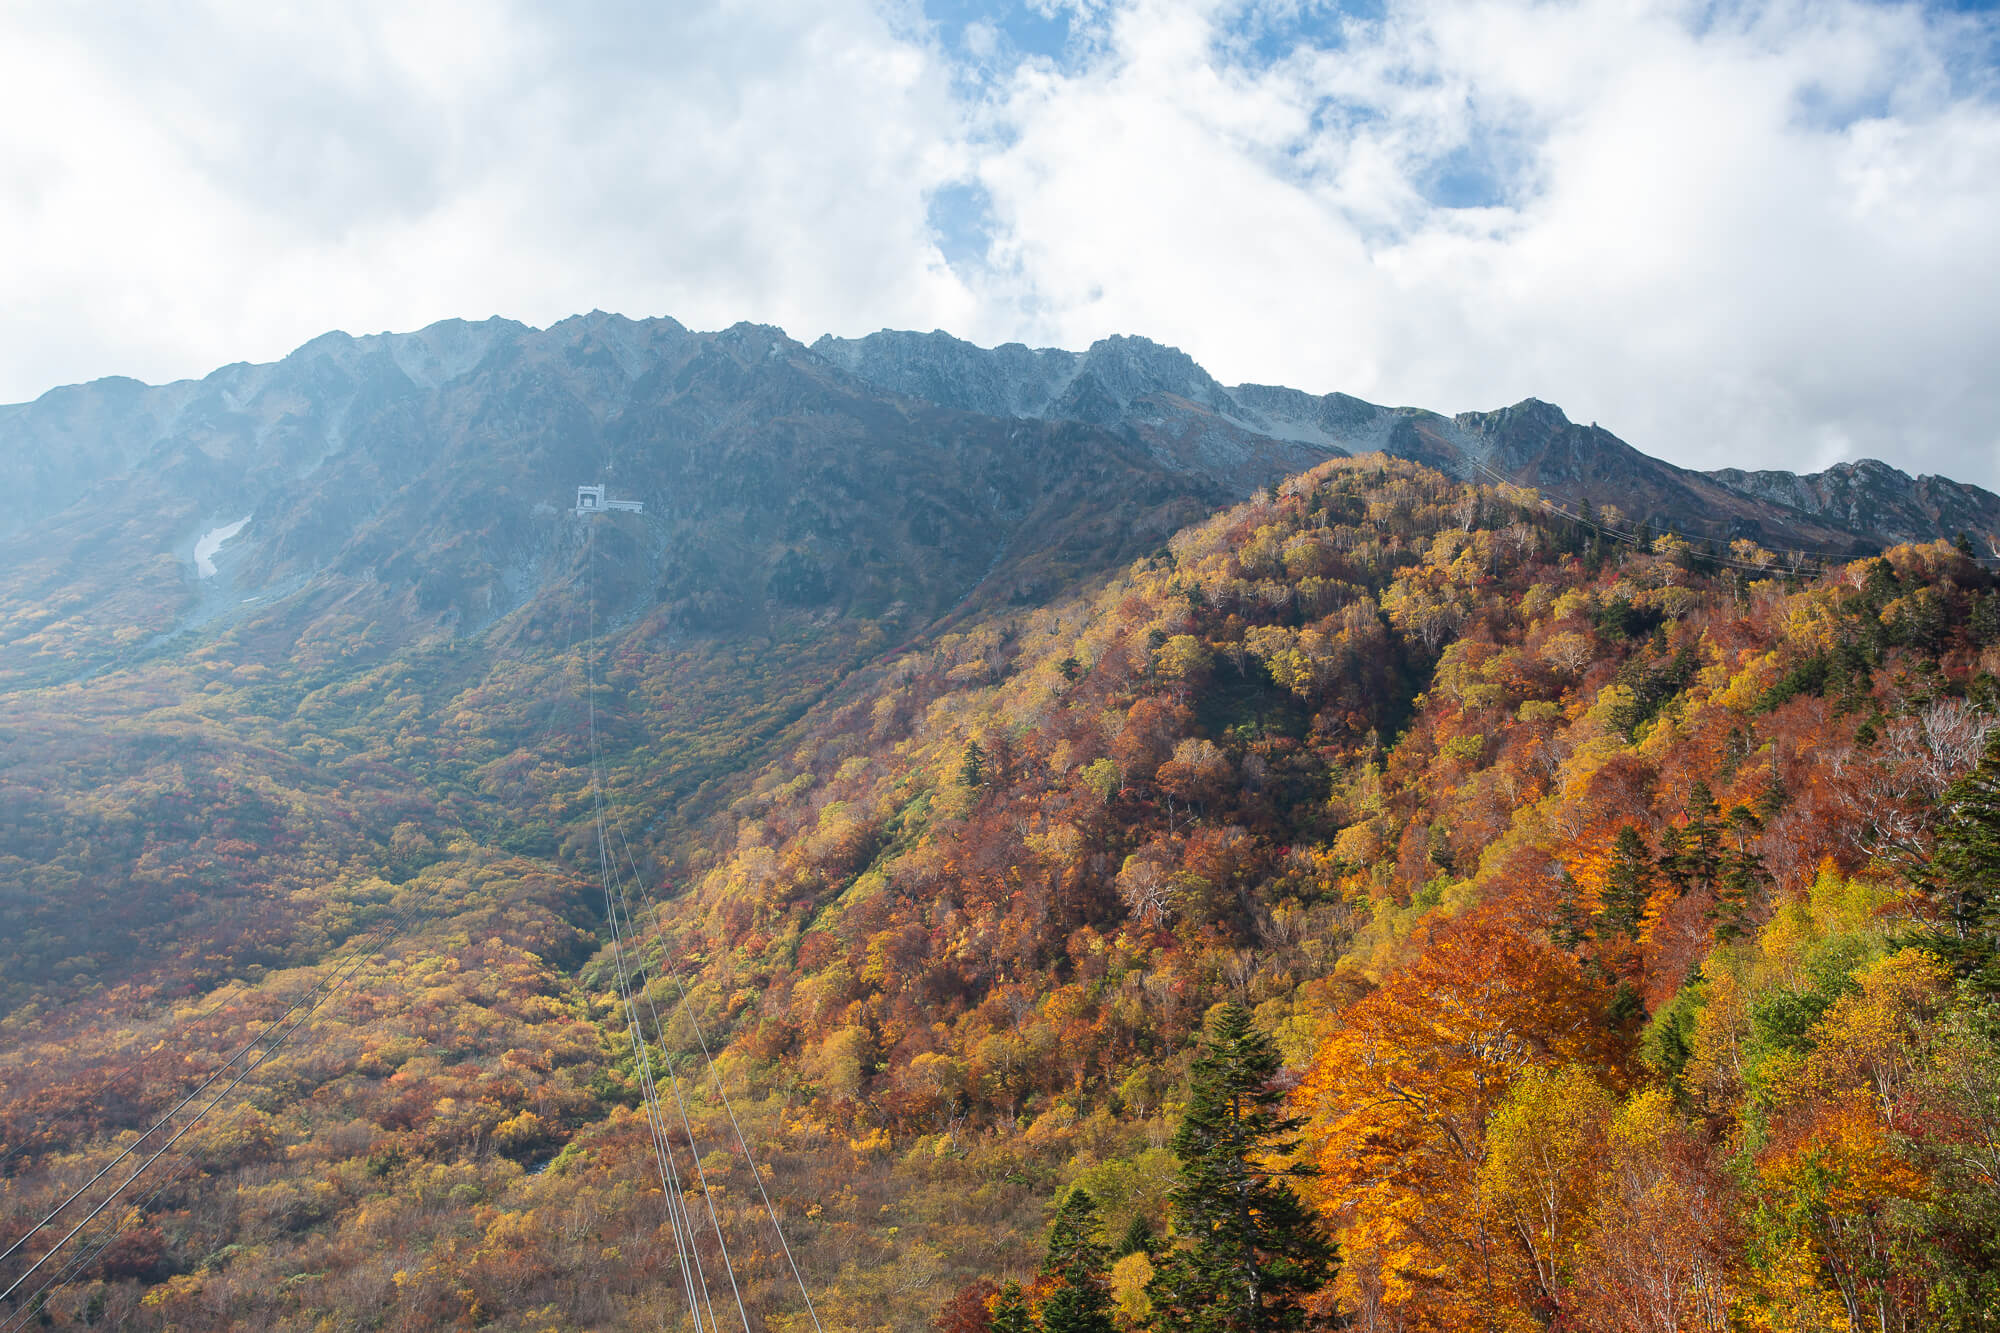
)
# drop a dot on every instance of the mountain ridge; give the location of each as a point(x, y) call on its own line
point(1533, 441)
point(416, 483)
point(1127, 382)
point(424, 471)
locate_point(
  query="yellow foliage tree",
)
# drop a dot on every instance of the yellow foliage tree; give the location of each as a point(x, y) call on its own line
point(1400, 1098)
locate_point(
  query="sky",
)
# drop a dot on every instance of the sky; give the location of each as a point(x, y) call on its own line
point(1736, 234)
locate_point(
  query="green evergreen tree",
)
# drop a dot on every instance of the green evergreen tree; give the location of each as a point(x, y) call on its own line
point(1772, 799)
point(1668, 863)
point(1628, 883)
point(1879, 587)
point(1248, 1250)
point(1138, 1238)
point(1010, 1310)
point(1077, 1260)
point(1740, 877)
point(1985, 617)
point(1961, 1241)
point(972, 769)
point(1691, 857)
point(1964, 879)
point(1572, 923)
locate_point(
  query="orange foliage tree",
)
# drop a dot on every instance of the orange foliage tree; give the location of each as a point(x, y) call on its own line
point(1400, 1099)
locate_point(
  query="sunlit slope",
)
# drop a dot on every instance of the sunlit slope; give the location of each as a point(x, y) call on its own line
point(952, 887)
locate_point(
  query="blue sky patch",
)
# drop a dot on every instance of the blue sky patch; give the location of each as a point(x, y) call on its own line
point(1464, 178)
point(1027, 29)
point(961, 221)
point(1263, 36)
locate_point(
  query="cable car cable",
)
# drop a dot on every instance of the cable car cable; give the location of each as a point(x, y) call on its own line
point(158, 1124)
point(687, 1125)
point(655, 1118)
point(736, 1126)
point(282, 1036)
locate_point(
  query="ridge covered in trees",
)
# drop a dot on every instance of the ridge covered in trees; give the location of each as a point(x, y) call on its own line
point(1577, 935)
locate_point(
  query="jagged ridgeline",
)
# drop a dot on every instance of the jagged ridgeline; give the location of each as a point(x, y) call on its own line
point(1602, 898)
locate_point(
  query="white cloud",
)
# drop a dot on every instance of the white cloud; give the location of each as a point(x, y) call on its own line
point(1774, 238)
point(231, 183)
point(1756, 234)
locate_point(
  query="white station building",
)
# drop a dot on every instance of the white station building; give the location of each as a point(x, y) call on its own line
point(590, 500)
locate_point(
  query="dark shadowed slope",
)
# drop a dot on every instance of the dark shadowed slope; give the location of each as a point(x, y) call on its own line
point(1166, 400)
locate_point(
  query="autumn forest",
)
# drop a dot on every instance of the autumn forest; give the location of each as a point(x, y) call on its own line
point(1389, 903)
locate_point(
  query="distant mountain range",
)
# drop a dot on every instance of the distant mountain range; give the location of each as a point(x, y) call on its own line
point(418, 480)
point(1165, 397)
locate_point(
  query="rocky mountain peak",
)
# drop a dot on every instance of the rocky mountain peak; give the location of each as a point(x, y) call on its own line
point(419, 459)
point(1188, 418)
point(1099, 386)
point(442, 352)
point(1530, 415)
point(1012, 380)
point(1127, 369)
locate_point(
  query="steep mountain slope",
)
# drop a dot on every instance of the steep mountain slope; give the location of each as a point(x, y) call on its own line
point(420, 481)
point(966, 759)
point(1165, 398)
point(953, 939)
point(1454, 798)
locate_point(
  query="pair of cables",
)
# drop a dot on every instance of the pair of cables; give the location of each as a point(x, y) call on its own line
point(260, 1049)
point(622, 919)
point(253, 1054)
point(310, 1000)
point(617, 910)
point(722, 1096)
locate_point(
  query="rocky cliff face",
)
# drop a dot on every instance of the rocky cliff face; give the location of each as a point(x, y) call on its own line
point(1111, 385)
point(1874, 497)
point(418, 482)
point(1193, 422)
point(1153, 394)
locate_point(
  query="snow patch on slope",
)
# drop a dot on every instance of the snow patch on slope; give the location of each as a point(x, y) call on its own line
point(210, 542)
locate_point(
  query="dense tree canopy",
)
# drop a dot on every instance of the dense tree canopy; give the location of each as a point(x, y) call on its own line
point(1617, 917)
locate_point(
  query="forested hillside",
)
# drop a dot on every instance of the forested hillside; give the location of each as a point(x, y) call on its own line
point(1615, 917)
point(1516, 840)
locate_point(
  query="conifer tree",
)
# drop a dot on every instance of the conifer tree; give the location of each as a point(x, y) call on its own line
point(1138, 1238)
point(1628, 883)
point(1010, 1310)
point(1077, 1260)
point(1248, 1250)
point(1985, 617)
point(1572, 923)
point(1965, 874)
point(1673, 847)
point(972, 768)
point(1692, 857)
point(1740, 875)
